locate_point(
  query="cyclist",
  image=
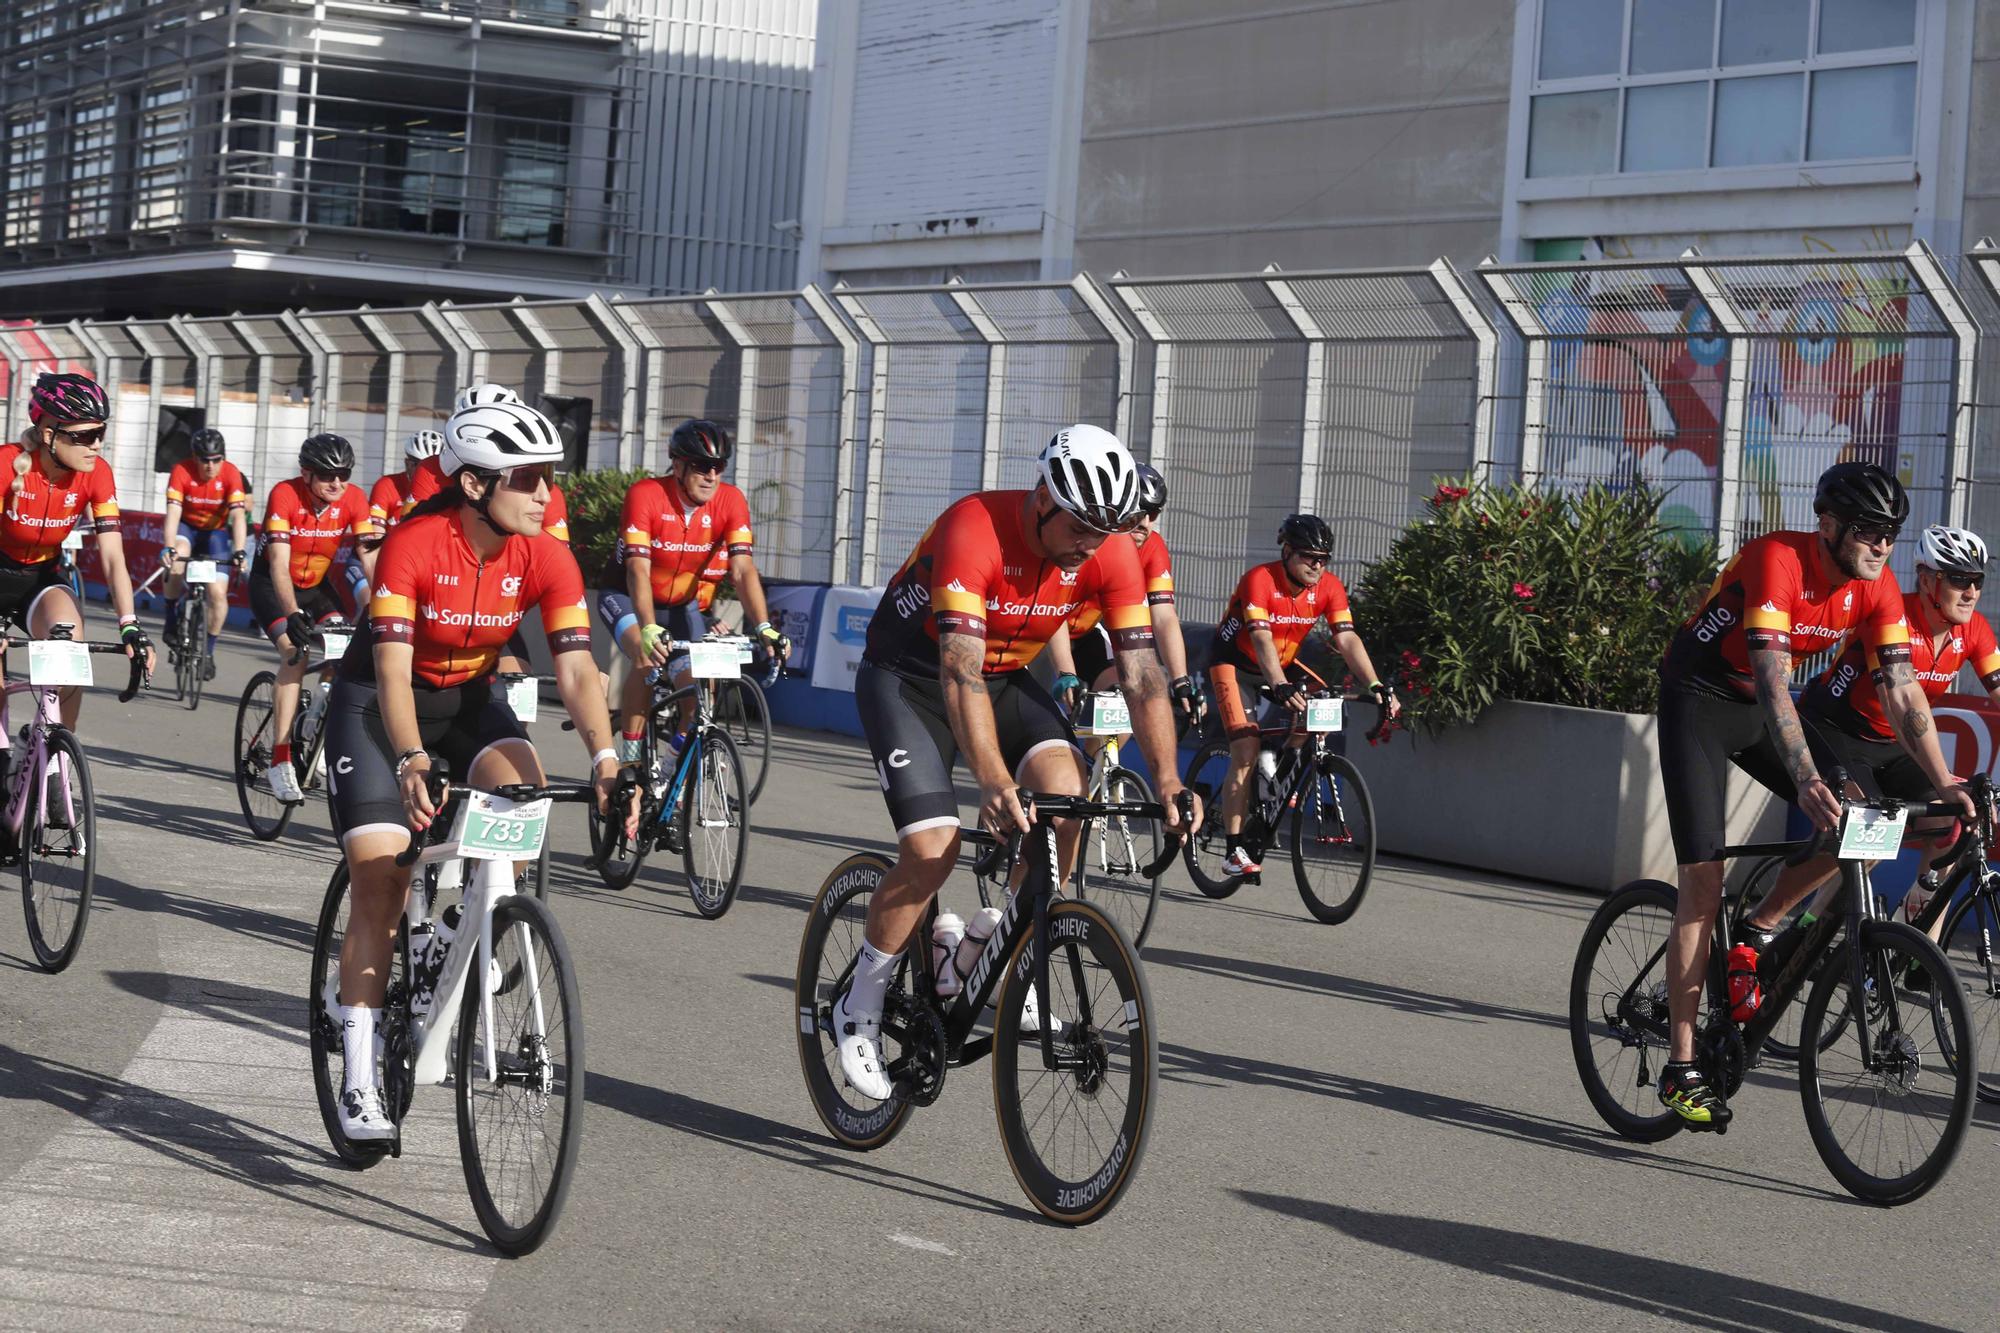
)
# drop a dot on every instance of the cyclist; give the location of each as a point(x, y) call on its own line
point(1725, 697)
point(54, 478)
point(453, 581)
point(1080, 650)
point(1274, 607)
point(208, 518)
point(673, 527)
point(943, 672)
point(306, 521)
point(389, 499)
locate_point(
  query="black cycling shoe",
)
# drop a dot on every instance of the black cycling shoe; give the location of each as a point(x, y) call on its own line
point(1688, 1095)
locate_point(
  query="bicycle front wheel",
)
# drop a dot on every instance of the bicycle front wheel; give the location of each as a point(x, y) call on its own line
point(1333, 840)
point(256, 738)
point(715, 829)
point(1074, 1134)
point(1209, 847)
point(1114, 850)
point(59, 853)
point(1971, 933)
point(1618, 1009)
point(740, 706)
point(520, 1078)
point(1888, 1121)
point(324, 1037)
point(619, 865)
point(187, 663)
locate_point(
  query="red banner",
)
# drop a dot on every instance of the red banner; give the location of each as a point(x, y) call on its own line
point(143, 541)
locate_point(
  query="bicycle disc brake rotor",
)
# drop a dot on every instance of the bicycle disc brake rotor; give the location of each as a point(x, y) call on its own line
point(1720, 1055)
point(1897, 1061)
point(918, 1073)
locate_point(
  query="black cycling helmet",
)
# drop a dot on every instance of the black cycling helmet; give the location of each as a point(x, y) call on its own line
point(1306, 532)
point(326, 452)
point(1152, 491)
point(67, 397)
point(700, 441)
point(1861, 493)
point(207, 443)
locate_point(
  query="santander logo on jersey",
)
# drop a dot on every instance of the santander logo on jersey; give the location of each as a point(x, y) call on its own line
point(469, 620)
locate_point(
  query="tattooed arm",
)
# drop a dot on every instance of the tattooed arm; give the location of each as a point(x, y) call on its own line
point(968, 706)
point(1909, 712)
point(1772, 668)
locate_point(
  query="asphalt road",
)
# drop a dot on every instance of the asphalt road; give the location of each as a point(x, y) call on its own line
point(1370, 1126)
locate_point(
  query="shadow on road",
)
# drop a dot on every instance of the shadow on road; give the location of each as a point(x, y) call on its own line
point(1281, 977)
point(273, 1013)
point(1681, 1293)
point(250, 922)
point(220, 825)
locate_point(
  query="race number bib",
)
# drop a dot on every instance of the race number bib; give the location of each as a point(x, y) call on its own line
point(53, 662)
point(73, 542)
point(492, 828)
point(524, 696)
point(336, 642)
point(1868, 834)
point(714, 661)
point(1109, 715)
point(1323, 714)
point(200, 571)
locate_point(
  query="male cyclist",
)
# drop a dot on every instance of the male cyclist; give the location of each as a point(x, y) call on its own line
point(1725, 697)
point(673, 527)
point(1274, 607)
point(305, 523)
point(208, 518)
point(987, 586)
point(390, 498)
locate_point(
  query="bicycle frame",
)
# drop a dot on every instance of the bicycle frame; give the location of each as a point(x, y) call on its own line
point(48, 713)
point(493, 882)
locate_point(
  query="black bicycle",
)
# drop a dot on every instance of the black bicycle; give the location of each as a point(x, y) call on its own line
point(1887, 1099)
point(1075, 1111)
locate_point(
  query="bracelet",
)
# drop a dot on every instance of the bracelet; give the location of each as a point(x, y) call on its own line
point(606, 753)
point(762, 625)
point(403, 759)
point(123, 621)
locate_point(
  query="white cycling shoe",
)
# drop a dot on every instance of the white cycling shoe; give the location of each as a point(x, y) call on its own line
point(363, 1117)
point(861, 1061)
point(283, 780)
point(1031, 1016)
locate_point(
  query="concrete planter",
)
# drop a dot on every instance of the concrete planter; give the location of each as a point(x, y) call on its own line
point(1544, 791)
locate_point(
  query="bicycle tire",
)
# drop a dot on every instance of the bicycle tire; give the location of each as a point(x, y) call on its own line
point(749, 727)
point(58, 876)
point(1205, 852)
point(535, 879)
point(541, 1055)
point(1890, 948)
point(714, 869)
point(827, 950)
point(1084, 1185)
point(1110, 854)
point(256, 711)
point(1971, 934)
point(324, 1037)
point(186, 671)
point(1339, 787)
point(1604, 1026)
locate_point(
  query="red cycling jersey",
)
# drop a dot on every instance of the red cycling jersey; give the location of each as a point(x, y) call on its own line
point(313, 532)
point(680, 541)
point(427, 479)
point(1848, 693)
point(432, 591)
point(1773, 595)
point(1264, 597)
point(37, 513)
point(206, 505)
point(389, 498)
point(711, 581)
point(1156, 565)
point(974, 573)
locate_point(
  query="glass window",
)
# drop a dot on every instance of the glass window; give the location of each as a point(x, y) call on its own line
point(1866, 25)
point(1757, 32)
point(533, 169)
point(1869, 112)
point(165, 120)
point(93, 144)
point(1580, 37)
point(27, 177)
point(400, 170)
point(1757, 120)
point(1573, 134)
point(1672, 35)
point(1666, 127)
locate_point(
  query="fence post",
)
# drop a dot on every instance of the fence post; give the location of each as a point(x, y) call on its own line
point(631, 364)
point(262, 351)
point(746, 364)
point(207, 389)
point(647, 343)
point(878, 431)
point(1735, 402)
point(326, 367)
point(1965, 338)
point(392, 406)
point(1312, 416)
point(850, 374)
point(1159, 443)
point(467, 337)
point(155, 377)
point(100, 355)
point(461, 352)
point(1092, 295)
point(538, 334)
point(1486, 370)
point(1534, 336)
point(996, 379)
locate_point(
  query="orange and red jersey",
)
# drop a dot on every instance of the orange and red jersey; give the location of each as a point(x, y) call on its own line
point(711, 581)
point(1265, 596)
point(206, 505)
point(1156, 565)
point(427, 479)
point(974, 573)
point(36, 517)
point(314, 532)
point(1848, 693)
point(555, 521)
point(1772, 595)
point(457, 611)
point(681, 541)
point(389, 498)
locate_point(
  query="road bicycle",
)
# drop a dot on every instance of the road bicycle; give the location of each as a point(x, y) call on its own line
point(1887, 1096)
point(515, 1055)
point(48, 825)
point(194, 666)
point(1311, 806)
point(256, 732)
point(1073, 1085)
point(694, 800)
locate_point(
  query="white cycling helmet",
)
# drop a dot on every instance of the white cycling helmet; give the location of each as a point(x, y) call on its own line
point(423, 444)
point(1951, 550)
point(480, 395)
point(497, 436)
point(1092, 476)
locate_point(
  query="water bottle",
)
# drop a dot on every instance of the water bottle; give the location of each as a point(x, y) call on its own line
point(946, 936)
point(423, 948)
point(977, 932)
point(1745, 995)
point(1267, 775)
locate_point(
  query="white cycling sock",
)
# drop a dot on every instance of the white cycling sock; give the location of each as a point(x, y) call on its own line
point(357, 1036)
point(872, 971)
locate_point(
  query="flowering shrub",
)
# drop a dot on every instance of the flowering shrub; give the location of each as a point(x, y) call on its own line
point(1513, 594)
point(596, 504)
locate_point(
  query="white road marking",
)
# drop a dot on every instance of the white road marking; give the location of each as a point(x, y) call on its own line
point(919, 1243)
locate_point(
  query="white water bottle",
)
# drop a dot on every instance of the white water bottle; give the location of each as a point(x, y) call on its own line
point(977, 931)
point(946, 936)
point(1267, 773)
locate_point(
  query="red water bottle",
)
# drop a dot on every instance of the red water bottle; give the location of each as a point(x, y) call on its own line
point(1745, 995)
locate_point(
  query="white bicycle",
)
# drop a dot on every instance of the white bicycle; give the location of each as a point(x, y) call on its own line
point(515, 1055)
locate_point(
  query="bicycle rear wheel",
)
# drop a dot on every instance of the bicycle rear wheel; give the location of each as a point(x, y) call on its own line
point(1888, 1126)
point(324, 1037)
point(1971, 933)
point(1618, 1009)
point(715, 829)
point(1113, 851)
point(1074, 1135)
point(827, 952)
point(59, 854)
point(1333, 840)
point(1205, 852)
point(519, 1127)
point(740, 707)
point(256, 724)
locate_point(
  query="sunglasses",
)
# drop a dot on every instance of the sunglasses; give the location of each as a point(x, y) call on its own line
point(706, 468)
point(1872, 536)
point(1317, 559)
point(528, 477)
point(1964, 582)
point(342, 475)
point(89, 437)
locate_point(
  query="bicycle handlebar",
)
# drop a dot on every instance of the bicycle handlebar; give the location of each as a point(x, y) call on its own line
point(450, 797)
point(133, 681)
point(1049, 806)
point(338, 625)
point(1382, 718)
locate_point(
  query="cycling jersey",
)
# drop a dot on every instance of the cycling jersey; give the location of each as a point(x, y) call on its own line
point(1156, 565)
point(1263, 597)
point(433, 591)
point(206, 505)
point(1772, 595)
point(427, 479)
point(974, 573)
point(37, 513)
point(1848, 693)
point(711, 581)
point(314, 532)
point(389, 499)
point(681, 542)
point(555, 519)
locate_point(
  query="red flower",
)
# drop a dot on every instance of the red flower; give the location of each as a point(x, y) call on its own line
point(1449, 495)
point(1411, 660)
point(1523, 591)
